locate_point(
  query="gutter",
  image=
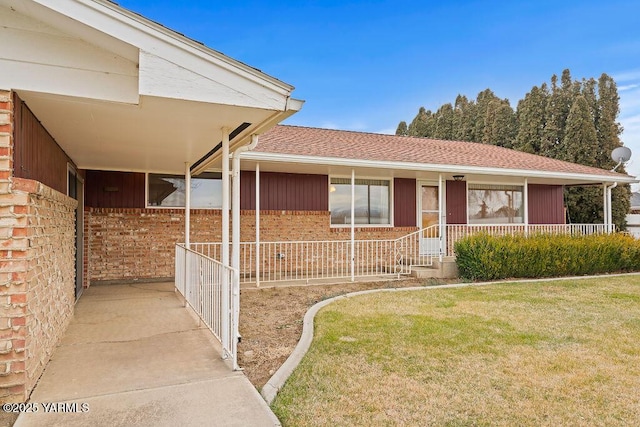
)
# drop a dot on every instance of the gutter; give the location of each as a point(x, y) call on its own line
point(432, 167)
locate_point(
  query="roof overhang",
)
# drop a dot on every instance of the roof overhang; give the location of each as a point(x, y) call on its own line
point(120, 92)
point(329, 165)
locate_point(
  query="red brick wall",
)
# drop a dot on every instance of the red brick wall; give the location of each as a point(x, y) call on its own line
point(126, 244)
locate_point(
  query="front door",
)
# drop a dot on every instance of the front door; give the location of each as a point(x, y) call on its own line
point(429, 217)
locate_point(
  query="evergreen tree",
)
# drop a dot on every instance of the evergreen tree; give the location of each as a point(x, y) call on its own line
point(565, 119)
point(402, 128)
point(500, 124)
point(483, 101)
point(530, 118)
point(609, 131)
point(423, 124)
point(580, 146)
point(444, 122)
point(464, 119)
point(580, 136)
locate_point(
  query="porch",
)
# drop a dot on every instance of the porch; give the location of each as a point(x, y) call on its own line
point(326, 260)
point(135, 356)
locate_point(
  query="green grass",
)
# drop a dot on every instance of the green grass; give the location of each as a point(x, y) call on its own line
point(545, 353)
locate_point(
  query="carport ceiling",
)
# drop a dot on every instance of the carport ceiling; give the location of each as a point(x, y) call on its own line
point(159, 134)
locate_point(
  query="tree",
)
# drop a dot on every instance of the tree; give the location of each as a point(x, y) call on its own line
point(609, 131)
point(580, 146)
point(423, 124)
point(444, 122)
point(564, 119)
point(402, 128)
point(500, 124)
point(580, 141)
point(530, 117)
point(464, 112)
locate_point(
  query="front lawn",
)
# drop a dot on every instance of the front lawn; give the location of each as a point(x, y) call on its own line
point(544, 353)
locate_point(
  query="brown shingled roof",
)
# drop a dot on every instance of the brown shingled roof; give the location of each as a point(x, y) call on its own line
point(316, 142)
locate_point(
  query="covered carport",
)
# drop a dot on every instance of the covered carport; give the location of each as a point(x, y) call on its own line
point(111, 91)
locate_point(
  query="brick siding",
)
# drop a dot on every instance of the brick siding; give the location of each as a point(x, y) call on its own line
point(37, 252)
point(125, 244)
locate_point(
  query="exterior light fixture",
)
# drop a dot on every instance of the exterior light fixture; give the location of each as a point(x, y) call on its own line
point(458, 177)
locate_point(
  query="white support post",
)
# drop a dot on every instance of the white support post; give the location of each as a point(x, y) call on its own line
point(525, 206)
point(187, 222)
point(225, 236)
point(353, 220)
point(440, 222)
point(258, 225)
point(187, 204)
point(235, 252)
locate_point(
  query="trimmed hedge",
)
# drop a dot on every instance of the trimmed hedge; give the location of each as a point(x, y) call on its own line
point(486, 257)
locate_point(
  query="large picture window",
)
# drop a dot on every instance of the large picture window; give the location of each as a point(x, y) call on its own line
point(168, 191)
point(495, 204)
point(372, 201)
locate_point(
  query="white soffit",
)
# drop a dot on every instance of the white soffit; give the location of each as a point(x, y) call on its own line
point(158, 135)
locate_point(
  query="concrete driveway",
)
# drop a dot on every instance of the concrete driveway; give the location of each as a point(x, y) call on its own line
point(134, 356)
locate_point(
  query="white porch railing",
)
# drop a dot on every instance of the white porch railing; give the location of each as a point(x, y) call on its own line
point(456, 232)
point(417, 249)
point(308, 260)
point(209, 289)
point(331, 259)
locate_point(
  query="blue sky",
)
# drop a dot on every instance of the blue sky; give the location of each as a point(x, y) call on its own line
point(367, 65)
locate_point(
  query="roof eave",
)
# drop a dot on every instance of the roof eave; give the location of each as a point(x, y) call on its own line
point(427, 167)
point(177, 40)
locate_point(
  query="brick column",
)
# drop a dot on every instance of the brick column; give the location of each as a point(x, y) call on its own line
point(13, 266)
point(37, 262)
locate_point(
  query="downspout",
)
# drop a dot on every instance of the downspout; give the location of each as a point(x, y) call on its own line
point(235, 241)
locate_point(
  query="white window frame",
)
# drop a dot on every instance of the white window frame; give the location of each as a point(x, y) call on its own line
point(524, 204)
point(368, 177)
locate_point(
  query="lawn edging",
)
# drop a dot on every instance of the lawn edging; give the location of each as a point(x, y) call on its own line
point(272, 387)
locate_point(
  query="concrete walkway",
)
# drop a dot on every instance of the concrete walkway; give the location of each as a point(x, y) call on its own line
point(134, 356)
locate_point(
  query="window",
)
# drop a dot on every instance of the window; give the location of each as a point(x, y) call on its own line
point(495, 204)
point(371, 201)
point(168, 191)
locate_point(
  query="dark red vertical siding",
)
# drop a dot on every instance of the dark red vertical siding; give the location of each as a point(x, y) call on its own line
point(37, 155)
point(456, 202)
point(546, 204)
point(285, 191)
point(404, 202)
point(107, 189)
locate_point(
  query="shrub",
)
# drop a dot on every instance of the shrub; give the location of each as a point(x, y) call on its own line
point(485, 257)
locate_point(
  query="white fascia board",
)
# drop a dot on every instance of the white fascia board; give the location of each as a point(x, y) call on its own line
point(162, 78)
point(151, 37)
point(37, 57)
point(427, 167)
